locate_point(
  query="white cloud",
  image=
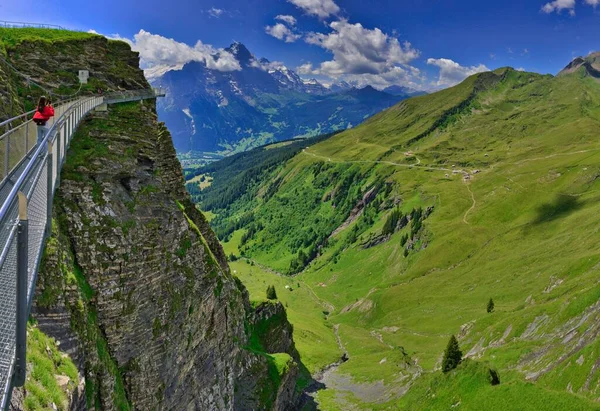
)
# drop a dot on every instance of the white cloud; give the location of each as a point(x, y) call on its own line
point(408, 77)
point(358, 50)
point(159, 54)
point(215, 12)
point(305, 69)
point(363, 56)
point(569, 5)
point(282, 32)
point(290, 20)
point(319, 8)
point(92, 31)
point(452, 73)
point(560, 5)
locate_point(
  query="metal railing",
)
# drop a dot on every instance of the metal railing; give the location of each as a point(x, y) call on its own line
point(26, 196)
point(21, 24)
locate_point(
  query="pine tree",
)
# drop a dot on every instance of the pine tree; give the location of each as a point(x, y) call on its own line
point(271, 294)
point(452, 355)
point(490, 306)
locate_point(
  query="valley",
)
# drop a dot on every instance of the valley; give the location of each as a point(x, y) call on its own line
point(504, 169)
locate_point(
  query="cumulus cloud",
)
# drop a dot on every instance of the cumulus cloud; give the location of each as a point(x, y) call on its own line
point(290, 20)
point(593, 2)
point(158, 54)
point(363, 56)
point(357, 50)
point(282, 32)
point(560, 5)
point(319, 8)
point(452, 73)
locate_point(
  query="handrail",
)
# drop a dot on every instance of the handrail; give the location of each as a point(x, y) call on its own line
point(17, 24)
point(22, 236)
point(42, 146)
point(10, 120)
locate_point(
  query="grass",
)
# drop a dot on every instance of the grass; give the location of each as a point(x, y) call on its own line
point(520, 231)
point(46, 363)
point(10, 38)
point(313, 334)
point(469, 388)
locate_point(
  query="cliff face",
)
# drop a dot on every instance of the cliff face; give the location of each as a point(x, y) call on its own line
point(134, 285)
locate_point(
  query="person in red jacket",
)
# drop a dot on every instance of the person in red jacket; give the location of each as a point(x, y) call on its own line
point(42, 114)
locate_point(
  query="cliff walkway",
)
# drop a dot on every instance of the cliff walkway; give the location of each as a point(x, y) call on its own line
point(29, 176)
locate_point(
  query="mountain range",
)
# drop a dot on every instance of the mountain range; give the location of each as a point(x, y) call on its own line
point(214, 111)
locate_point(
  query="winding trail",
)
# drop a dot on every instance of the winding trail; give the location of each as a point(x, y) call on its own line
point(472, 207)
point(390, 163)
point(555, 155)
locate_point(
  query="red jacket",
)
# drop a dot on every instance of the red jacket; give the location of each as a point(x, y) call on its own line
point(45, 114)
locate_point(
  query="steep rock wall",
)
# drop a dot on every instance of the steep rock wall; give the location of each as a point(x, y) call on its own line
point(134, 285)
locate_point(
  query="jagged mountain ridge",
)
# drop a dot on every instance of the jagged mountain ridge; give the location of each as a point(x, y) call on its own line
point(209, 110)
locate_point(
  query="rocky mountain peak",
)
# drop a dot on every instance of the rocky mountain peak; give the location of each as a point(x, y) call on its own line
point(591, 65)
point(240, 52)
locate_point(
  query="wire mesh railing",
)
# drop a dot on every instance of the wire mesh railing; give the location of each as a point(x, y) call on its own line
point(30, 174)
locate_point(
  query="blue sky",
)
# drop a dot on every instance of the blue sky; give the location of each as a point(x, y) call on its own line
point(419, 43)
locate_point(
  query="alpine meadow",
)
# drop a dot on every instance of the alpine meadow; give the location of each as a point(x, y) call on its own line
point(385, 240)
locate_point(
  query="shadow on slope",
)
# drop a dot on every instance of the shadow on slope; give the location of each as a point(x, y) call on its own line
point(560, 207)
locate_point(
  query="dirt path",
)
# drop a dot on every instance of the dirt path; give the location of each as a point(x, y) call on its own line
point(472, 207)
point(391, 163)
point(555, 155)
point(328, 306)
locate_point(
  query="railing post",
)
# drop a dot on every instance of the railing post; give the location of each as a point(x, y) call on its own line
point(50, 186)
point(26, 136)
point(58, 152)
point(7, 156)
point(22, 274)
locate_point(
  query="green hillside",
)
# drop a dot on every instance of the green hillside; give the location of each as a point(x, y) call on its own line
point(404, 227)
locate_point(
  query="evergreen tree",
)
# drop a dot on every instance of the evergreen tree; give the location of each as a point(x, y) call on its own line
point(271, 294)
point(452, 355)
point(490, 306)
point(389, 227)
point(494, 377)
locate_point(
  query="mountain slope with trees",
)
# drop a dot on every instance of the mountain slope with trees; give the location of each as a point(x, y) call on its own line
point(403, 229)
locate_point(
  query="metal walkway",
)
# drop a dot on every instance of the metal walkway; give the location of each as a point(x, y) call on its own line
point(29, 176)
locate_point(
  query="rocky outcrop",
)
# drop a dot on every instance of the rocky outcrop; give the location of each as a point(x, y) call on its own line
point(134, 284)
point(589, 66)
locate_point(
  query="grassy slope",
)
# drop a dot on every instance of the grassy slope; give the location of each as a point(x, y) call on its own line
point(523, 231)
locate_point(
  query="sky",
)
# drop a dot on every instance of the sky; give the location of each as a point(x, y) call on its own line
point(422, 44)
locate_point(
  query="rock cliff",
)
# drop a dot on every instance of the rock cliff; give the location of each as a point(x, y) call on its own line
point(134, 285)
